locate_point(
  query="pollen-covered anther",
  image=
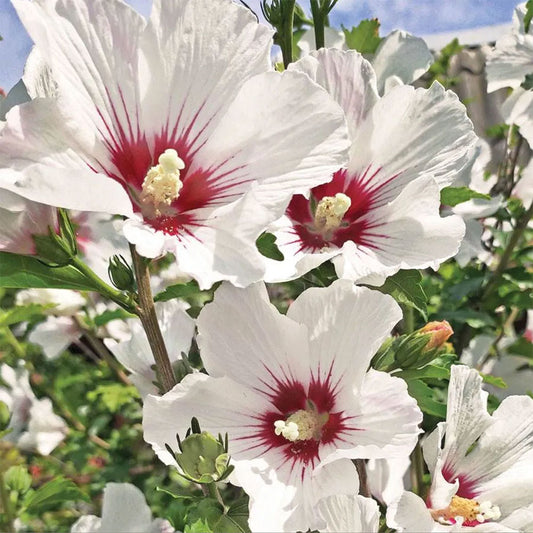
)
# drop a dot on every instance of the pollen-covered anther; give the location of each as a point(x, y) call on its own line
point(466, 512)
point(162, 183)
point(330, 211)
point(301, 425)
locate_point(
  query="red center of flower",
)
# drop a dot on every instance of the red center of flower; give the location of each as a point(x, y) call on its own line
point(356, 225)
point(290, 401)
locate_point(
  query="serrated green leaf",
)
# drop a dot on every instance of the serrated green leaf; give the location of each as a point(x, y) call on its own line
point(521, 347)
point(52, 494)
point(468, 286)
point(365, 37)
point(425, 398)
point(453, 196)
point(200, 526)
point(23, 272)
point(406, 289)
point(114, 396)
point(475, 319)
point(180, 290)
point(428, 372)
point(266, 244)
point(495, 381)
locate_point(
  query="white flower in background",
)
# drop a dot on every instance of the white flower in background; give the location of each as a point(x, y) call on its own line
point(179, 119)
point(349, 513)
point(481, 465)
point(35, 426)
point(124, 509)
point(476, 210)
point(294, 395)
point(406, 146)
point(400, 59)
point(514, 369)
point(512, 58)
point(20, 219)
point(177, 328)
point(62, 302)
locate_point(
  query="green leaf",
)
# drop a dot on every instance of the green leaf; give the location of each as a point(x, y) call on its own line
point(114, 396)
point(108, 316)
point(406, 289)
point(457, 195)
point(468, 286)
point(521, 347)
point(428, 372)
point(475, 319)
point(495, 381)
point(527, 84)
point(23, 272)
point(424, 396)
point(180, 290)
point(200, 526)
point(53, 494)
point(365, 37)
point(21, 313)
point(266, 244)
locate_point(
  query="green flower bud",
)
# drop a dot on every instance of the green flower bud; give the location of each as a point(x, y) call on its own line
point(5, 416)
point(204, 459)
point(18, 479)
point(121, 273)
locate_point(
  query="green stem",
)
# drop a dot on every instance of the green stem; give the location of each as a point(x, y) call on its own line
point(14, 342)
point(408, 319)
point(286, 30)
point(146, 312)
point(318, 23)
point(6, 505)
point(517, 233)
point(102, 287)
point(213, 492)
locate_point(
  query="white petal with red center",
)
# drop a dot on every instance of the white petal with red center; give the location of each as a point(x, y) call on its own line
point(346, 326)
point(91, 47)
point(349, 513)
point(400, 238)
point(148, 242)
point(386, 421)
point(220, 245)
point(44, 160)
point(221, 405)
point(402, 56)
point(286, 145)
point(411, 132)
point(198, 53)
point(347, 77)
point(261, 352)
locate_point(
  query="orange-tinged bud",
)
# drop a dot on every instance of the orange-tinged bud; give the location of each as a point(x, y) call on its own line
point(440, 332)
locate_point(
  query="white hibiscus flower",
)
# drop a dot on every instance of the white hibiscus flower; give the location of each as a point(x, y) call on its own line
point(294, 395)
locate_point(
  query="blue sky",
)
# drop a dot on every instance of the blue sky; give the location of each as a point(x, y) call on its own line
point(416, 16)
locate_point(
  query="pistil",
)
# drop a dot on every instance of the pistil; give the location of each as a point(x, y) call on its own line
point(464, 511)
point(330, 212)
point(302, 425)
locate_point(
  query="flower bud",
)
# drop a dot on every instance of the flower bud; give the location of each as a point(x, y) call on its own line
point(5, 416)
point(121, 273)
point(440, 332)
point(18, 479)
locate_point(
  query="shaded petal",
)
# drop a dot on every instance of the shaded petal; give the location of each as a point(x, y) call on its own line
point(385, 424)
point(42, 159)
point(347, 77)
point(412, 132)
point(125, 509)
point(55, 335)
point(349, 513)
point(386, 478)
point(332, 39)
point(266, 348)
point(221, 405)
point(403, 56)
point(410, 514)
point(288, 146)
point(86, 524)
point(38, 77)
point(401, 238)
point(346, 324)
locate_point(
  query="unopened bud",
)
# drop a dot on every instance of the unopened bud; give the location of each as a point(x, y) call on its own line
point(121, 273)
point(5, 416)
point(440, 332)
point(17, 478)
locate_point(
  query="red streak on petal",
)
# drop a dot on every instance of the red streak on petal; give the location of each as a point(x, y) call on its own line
point(467, 487)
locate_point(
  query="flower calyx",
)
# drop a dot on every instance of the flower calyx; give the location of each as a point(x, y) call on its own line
point(203, 459)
